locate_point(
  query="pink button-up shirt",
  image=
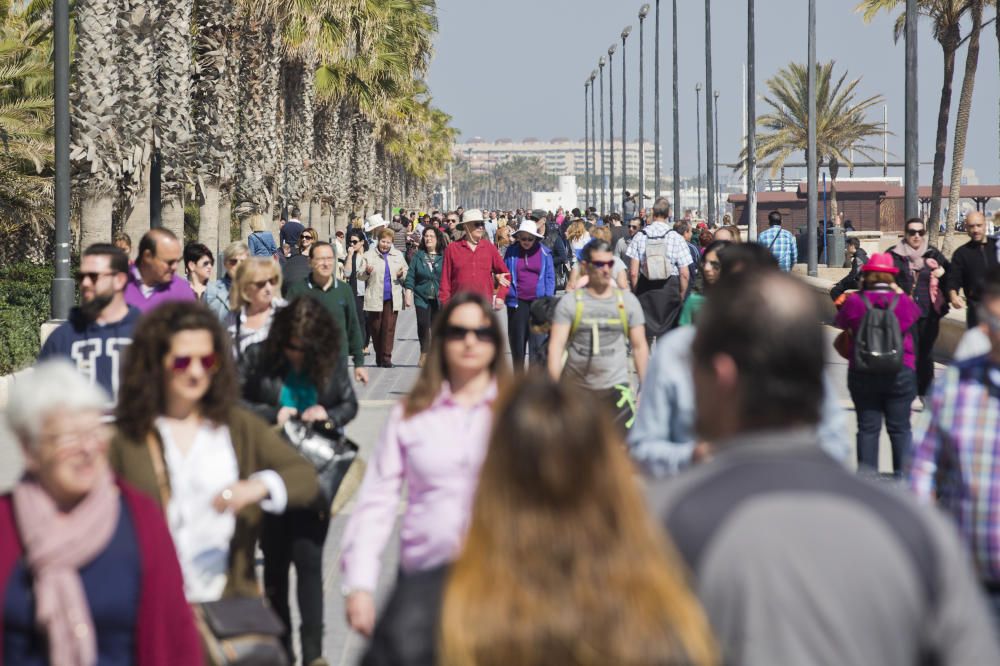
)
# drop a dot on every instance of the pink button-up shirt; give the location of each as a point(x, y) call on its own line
point(438, 453)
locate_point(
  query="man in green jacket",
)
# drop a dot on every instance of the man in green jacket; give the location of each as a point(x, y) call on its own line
point(338, 298)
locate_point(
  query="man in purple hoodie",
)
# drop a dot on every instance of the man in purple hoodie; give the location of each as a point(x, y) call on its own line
point(153, 279)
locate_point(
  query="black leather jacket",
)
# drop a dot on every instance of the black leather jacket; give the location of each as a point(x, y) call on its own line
point(262, 388)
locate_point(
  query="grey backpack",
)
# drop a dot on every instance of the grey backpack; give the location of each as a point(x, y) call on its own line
point(878, 344)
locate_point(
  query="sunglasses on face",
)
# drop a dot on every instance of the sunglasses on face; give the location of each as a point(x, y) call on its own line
point(714, 264)
point(307, 237)
point(260, 283)
point(355, 241)
point(603, 264)
point(205, 263)
point(916, 232)
point(208, 362)
point(457, 333)
point(477, 225)
point(94, 277)
point(633, 227)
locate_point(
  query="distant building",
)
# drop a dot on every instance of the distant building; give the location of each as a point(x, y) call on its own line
point(561, 157)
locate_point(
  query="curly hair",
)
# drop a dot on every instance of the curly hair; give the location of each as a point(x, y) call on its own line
point(441, 242)
point(308, 320)
point(142, 394)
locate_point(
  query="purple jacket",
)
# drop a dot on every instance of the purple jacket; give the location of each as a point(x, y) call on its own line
point(907, 312)
point(177, 289)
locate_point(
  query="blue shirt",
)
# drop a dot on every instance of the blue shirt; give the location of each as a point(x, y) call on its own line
point(782, 245)
point(111, 583)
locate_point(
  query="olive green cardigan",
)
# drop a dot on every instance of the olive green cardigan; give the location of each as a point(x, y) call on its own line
point(257, 448)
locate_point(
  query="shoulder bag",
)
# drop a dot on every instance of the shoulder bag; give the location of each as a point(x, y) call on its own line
point(327, 449)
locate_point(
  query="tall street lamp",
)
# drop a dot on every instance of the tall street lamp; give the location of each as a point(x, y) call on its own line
point(709, 132)
point(611, 126)
point(593, 142)
point(812, 201)
point(586, 148)
point(656, 105)
point(751, 124)
point(677, 124)
point(62, 284)
point(911, 175)
point(718, 186)
point(600, 64)
point(625, 33)
point(697, 133)
point(643, 12)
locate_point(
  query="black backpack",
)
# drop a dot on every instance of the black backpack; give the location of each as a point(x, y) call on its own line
point(878, 344)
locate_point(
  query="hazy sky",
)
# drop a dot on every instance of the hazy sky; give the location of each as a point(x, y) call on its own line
point(516, 68)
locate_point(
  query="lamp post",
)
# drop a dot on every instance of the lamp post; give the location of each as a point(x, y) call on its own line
point(62, 283)
point(911, 175)
point(656, 105)
point(751, 124)
point(600, 64)
point(593, 143)
point(718, 186)
point(643, 12)
point(586, 148)
point(709, 132)
point(811, 151)
point(625, 33)
point(697, 133)
point(611, 126)
point(677, 124)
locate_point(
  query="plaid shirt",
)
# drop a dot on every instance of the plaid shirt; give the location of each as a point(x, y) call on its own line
point(677, 247)
point(957, 456)
point(782, 245)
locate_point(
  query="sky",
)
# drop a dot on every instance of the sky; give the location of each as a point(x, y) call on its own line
point(516, 69)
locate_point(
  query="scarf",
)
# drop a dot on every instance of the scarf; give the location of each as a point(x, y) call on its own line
point(914, 257)
point(56, 546)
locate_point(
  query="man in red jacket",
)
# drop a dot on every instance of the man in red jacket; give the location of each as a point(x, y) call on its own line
point(472, 263)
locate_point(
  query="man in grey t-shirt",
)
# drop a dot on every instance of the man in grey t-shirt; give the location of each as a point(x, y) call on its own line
point(590, 325)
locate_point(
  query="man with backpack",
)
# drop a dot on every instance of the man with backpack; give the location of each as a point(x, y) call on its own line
point(659, 259)
point(593, 326)
point(780, 242)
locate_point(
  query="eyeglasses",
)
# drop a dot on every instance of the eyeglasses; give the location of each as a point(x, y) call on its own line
point(916, 232)
point(70, 443)
point(355, 241)
point(527, 239)
point(716, 265)
point(171, 262)
point(205, 263)
point(208, 362)
point(476, 225)
point(456, 333)
point(94, 277)
point(260, 283)
point(633, 227)
point(235, 262)
point(307, 237)
point(602, 264)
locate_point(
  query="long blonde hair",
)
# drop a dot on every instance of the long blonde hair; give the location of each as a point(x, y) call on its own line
point(252, 270)
point(576, 231)
point(562, 563)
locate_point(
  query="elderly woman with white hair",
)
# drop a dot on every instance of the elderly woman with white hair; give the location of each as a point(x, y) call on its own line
point(88, 572)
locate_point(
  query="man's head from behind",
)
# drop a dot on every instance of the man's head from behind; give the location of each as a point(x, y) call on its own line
point(759, 354)
point(774, 218)
point(661, 210)
point(102, 276)
point(159, 255)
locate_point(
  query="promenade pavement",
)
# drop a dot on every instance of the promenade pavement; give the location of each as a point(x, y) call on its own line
point(385, 388)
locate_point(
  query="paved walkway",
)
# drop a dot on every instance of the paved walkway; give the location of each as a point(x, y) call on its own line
point(387, 386)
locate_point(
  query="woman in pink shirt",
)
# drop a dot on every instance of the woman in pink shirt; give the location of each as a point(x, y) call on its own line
point(435, 441)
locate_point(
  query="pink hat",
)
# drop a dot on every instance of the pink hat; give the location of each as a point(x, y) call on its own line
point(880, 262)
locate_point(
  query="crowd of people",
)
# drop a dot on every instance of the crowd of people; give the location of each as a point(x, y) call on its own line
point(658, 475)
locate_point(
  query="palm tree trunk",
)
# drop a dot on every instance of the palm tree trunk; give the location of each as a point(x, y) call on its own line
point(173, 108)
point(137, 107)
point(208, 219)
point(962, 123)
point(949, 44)
point(834, 169)
point(137, 213)
point(172, 214)
point(95, 220)
point(225, 220)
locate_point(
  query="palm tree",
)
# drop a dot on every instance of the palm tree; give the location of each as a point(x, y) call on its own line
point(841, 125)
point(946, 17)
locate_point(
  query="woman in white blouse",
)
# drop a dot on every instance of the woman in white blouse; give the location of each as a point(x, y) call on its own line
point(254, 298)
point(211, 464)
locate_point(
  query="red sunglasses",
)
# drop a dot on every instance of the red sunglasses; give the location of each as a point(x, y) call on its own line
point(208, 362)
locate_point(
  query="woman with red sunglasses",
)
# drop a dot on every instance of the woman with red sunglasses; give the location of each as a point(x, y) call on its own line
point(212, 465)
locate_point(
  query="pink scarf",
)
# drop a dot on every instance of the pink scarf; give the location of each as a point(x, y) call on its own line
point(56, 545)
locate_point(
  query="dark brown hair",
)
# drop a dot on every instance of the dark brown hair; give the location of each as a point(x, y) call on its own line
point(435, 370)
point(308, 320)
point(563, 564)
point(142, 395)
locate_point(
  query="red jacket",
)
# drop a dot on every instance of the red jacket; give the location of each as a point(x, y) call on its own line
point(465, 270)
point(165, 633)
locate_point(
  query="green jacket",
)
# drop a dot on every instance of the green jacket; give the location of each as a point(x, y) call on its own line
point(339, 301)
point(424, 278)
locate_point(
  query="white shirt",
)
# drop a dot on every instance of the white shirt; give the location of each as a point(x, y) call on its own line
point(201, 534)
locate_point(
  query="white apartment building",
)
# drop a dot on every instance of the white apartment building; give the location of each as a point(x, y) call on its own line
point(562, 157)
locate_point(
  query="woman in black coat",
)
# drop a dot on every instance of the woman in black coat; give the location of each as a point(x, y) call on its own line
point(299, 372)
point(357, 245)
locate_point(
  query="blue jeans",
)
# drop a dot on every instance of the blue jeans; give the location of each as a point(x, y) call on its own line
point(876, 396)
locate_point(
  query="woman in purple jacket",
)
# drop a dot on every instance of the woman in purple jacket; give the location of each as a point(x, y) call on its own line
point(881, 393)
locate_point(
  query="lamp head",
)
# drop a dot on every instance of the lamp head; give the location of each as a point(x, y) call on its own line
point(697, 87)
point(716, 94)
point(643, 11)
point(593, 75)
point(602, 61)
point(626, 32)
point(612, 49)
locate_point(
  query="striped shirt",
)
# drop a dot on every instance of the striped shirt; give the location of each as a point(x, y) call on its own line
point(781, 242)
point(677, 249)
point(957, 456)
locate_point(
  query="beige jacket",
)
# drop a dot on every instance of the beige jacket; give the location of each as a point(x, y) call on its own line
point(376, 279)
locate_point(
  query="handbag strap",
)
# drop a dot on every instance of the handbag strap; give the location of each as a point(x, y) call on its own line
point(159, 469)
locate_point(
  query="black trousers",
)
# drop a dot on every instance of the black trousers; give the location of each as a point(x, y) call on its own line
point(925, 333)
point(519, 336)
point(297, 536)
point(971, 314)
point(425, 319)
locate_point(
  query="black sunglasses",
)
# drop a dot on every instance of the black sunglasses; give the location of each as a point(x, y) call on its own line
point(916, 232)
point(456, 333)
point(94, 277)
point(260, 283)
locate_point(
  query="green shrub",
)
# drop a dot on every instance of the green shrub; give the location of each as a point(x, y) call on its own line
point(24, 307)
